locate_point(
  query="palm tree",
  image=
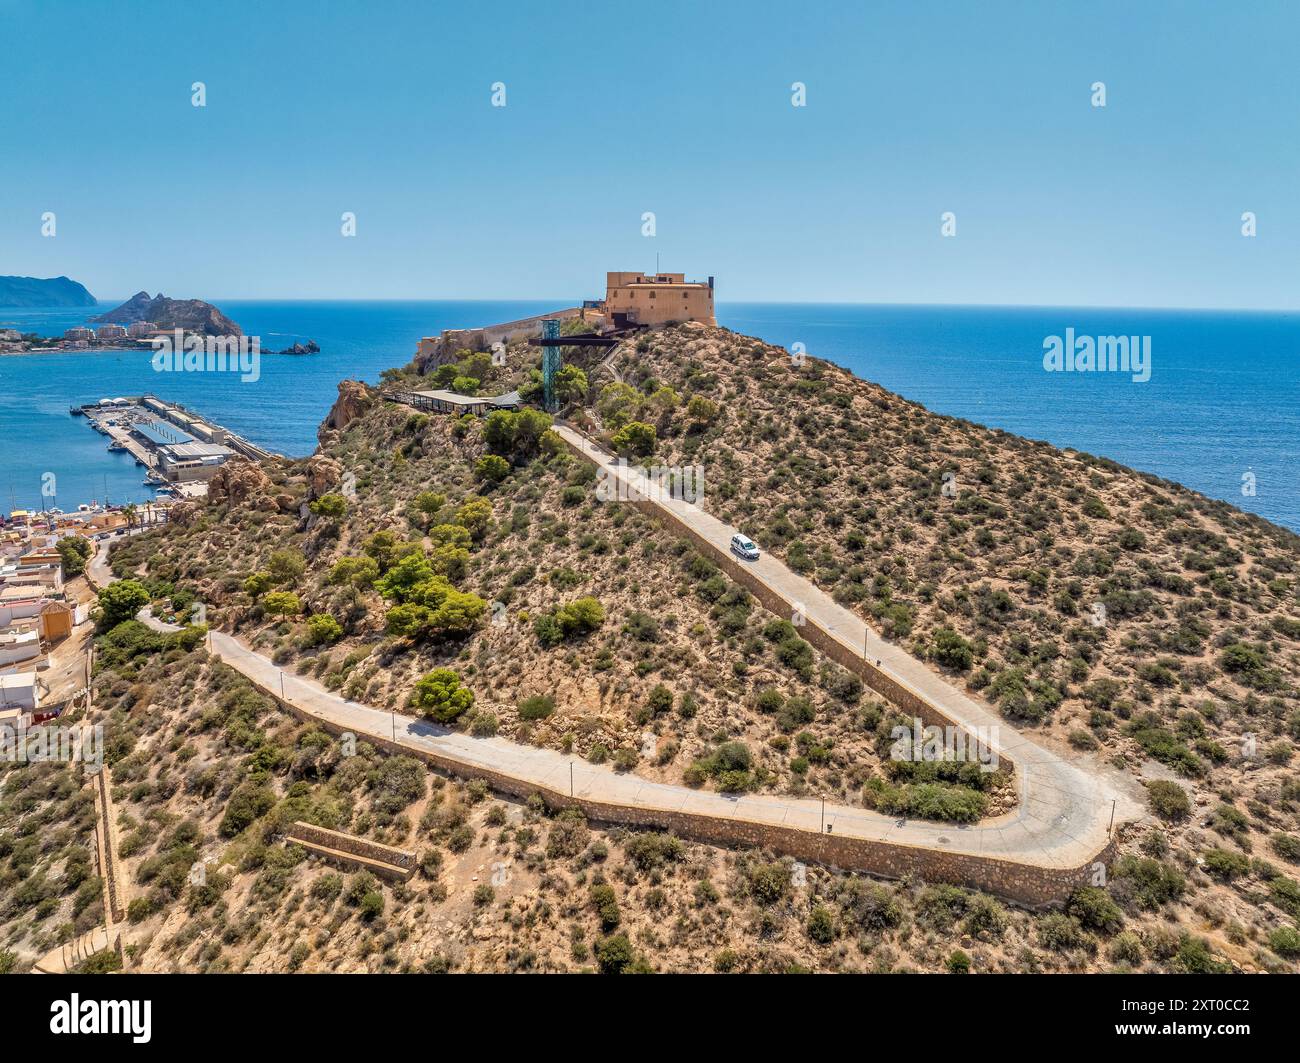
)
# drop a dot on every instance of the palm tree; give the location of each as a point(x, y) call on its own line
point(130, 512)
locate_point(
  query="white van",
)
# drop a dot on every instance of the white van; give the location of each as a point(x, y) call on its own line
point(744, 547)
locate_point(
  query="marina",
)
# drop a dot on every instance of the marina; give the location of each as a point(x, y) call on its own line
point(179, 450)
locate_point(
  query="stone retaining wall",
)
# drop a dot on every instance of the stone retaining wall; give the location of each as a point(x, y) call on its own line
point(1022, 883)
point(350, 843)
point(114, 889)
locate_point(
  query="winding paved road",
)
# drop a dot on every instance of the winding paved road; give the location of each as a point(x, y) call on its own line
point(1062, 821)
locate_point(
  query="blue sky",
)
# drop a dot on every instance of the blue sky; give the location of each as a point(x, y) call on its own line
point(683, 109)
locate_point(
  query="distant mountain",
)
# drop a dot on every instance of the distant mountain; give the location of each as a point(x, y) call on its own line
point(192, 315)
point(52, 291)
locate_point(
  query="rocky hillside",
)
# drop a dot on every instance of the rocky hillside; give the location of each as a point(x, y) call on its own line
point(207, 774)
point(579, 625)
point(469, 571)
point(1105, 607)
point(191, 315)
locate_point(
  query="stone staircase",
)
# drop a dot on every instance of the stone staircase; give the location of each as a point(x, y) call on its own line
point(71, 954)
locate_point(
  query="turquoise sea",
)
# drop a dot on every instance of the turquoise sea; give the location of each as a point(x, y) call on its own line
point(1220, 412)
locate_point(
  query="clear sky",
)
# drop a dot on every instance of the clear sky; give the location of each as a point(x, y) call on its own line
point(684, 109)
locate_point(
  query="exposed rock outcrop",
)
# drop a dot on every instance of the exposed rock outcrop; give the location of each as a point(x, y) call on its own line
point(324, 475)
point(182, 514)
point(242, 483)
point(354, 399)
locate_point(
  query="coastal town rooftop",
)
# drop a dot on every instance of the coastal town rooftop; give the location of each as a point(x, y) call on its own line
point(18, 691)
point(200, 451)
point(161, 435)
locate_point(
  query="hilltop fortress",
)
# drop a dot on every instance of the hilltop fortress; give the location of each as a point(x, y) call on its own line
point(632, 300)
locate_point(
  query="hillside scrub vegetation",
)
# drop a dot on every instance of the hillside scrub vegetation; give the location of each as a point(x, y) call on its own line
point(1125, 620)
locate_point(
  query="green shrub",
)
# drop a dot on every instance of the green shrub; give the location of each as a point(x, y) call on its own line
point(1285, 941)
point(538, 707)
point(492, 468)
point(926, 800)
point(767, 884)
point(1095, 910)
point(372, 905)
point(614, 954)
point(440, 696)
point(327, 887)
point(1249, 663)
point(985, 918)
point(141, 908)
point(1148, 882)
point(660, 700)
point(1194, 957)
point(358, 571)
point(1286, 895)
point(1287, 846)
point(120, 601)
point(578, 617)
point(1061, 932)
point(248, 802)
point(332, 506)
point(605, 903)
point(1168, 800)
point(1225, 866)
point(282, 603)
point(634, 439)
point(951, 650)
point(821, 925)
point(1126, 948)
point(650, 850)
point(323, 628)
